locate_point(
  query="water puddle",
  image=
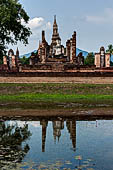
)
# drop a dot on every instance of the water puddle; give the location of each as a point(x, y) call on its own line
point(56, 144)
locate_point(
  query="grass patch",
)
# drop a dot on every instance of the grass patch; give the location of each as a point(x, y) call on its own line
point(54, 94)
point(54, 97)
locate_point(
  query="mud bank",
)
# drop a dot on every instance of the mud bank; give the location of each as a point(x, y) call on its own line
point(84, 80)
point(82, 113)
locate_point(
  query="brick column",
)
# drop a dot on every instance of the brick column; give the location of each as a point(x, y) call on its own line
point(74, 47)
point(4, 60)
point(68, 49)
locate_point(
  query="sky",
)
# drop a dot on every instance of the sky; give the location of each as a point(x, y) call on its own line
point(91, 19)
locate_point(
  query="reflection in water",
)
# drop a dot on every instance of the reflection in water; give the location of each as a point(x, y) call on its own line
point(11, 139)
point(44, 124)
point(71, 126)
point(47, 144)
point(58, 125)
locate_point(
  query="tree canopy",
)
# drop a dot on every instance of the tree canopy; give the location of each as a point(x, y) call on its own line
point(13, 143)
point(24, 60)
point(110, 49)
point(89, 59)
point(12, 29)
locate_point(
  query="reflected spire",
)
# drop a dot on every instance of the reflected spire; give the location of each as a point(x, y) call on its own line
point(57, 127)
point(44, 124)
point(71, 126)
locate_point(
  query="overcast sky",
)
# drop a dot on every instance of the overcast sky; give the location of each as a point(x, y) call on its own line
point(92, 19)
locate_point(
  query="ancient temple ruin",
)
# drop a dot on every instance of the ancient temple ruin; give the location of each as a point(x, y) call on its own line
point(11, 62)
point(55, 57)
point(56, 52)
point(102, 59)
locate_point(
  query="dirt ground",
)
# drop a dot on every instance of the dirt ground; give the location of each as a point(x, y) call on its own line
point(107, 112)
point(88, 80)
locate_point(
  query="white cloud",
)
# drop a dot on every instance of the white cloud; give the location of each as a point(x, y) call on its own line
point(36, 25)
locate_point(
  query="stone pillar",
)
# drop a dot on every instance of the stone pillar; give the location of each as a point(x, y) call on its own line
point(97, 59)
point(13, 61)
point(68, 49)
point(80, 60)
point(43, 36)
point(4, 60)
point(43, 53)
point(10, 61)
point(10, 54)
point(71, 51)
point(74, 47)
point(20, 68)
point(30, 61)
point(40, 50)
point(17, 57)
point(107, 60)
point(102, 57)
point(44, 46)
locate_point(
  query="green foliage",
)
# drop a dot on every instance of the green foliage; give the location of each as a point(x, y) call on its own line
point(12, 15)
point(61, 98)
point(54, 95)
point(24, 60)
point(89, 59)
point(111, 63)
point(110, 49)
point(13, 135)
point(13, 143)
point(1, 59)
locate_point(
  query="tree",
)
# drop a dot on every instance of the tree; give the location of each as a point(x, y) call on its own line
point(12, 29)
point(13, 143)
point(89, 59)
point(110, 49)
point(1, 59)
point(24, 60)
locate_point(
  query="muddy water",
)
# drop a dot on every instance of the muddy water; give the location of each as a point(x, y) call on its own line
point(56, 143)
